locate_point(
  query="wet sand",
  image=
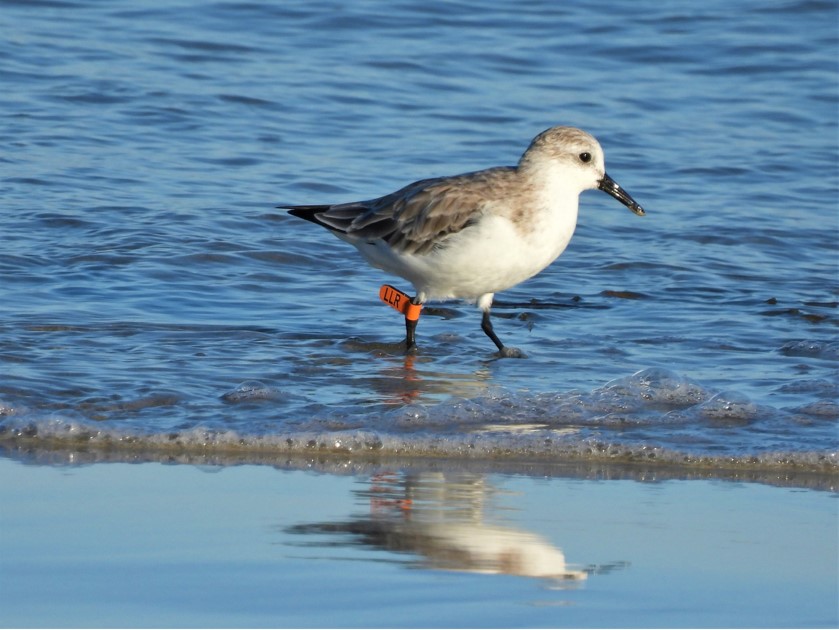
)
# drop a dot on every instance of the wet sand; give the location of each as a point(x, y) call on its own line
point(340, 543)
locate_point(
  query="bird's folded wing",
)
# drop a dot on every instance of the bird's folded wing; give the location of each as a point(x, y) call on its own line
point(420, 216)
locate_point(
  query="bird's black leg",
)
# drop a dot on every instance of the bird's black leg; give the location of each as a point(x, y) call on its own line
point(506, 351)
point(486, 326)
point(410, 329)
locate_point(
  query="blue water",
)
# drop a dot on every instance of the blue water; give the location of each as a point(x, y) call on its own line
point(152, 297)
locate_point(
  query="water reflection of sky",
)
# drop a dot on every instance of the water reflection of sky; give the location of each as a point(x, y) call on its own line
point(179, 545)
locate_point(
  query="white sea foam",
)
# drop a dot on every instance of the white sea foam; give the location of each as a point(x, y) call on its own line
point(652, 415)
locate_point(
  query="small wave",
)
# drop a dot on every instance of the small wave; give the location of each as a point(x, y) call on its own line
point(652, 416)
point(812, 348)
point(729, 406)
point(535, 444)
point(828, 409)
point(251, 391)
point(490, 447)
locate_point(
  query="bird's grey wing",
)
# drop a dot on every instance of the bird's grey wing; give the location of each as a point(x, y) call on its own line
point(368, 220)
point(421, 216)
point(427, 217)
point(418, 217)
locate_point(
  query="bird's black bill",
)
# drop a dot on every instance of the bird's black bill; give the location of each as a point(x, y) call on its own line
point(609, 185)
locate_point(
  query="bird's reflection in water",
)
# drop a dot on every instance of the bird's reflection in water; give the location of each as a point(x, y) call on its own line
point(445, 521)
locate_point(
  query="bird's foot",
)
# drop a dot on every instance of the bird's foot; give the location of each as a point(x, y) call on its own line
point(508, 352)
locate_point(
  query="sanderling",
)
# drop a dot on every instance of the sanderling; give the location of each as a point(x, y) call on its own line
point(469, 236)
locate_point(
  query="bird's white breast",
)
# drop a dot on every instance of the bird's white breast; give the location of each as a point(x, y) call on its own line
point(512, 240)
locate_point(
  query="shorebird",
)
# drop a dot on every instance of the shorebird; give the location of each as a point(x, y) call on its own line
point(469, 236)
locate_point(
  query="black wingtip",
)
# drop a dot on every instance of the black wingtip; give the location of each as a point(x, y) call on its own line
point(308, 213)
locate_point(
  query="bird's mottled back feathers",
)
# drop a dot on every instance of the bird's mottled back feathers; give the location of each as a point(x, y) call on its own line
point(418, 217)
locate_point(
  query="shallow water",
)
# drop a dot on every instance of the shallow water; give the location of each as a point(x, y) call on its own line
point(153, 298)
point(250, 546)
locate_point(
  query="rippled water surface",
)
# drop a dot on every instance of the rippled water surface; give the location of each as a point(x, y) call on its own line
point(152, 296)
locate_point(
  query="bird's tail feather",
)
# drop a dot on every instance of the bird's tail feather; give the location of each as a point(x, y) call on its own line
point(309, 213)
point(338, 218)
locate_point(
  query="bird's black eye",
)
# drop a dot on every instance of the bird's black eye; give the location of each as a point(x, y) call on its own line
point(585, 156)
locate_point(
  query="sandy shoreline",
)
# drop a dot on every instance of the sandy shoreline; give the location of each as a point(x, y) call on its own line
point(59, 452)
